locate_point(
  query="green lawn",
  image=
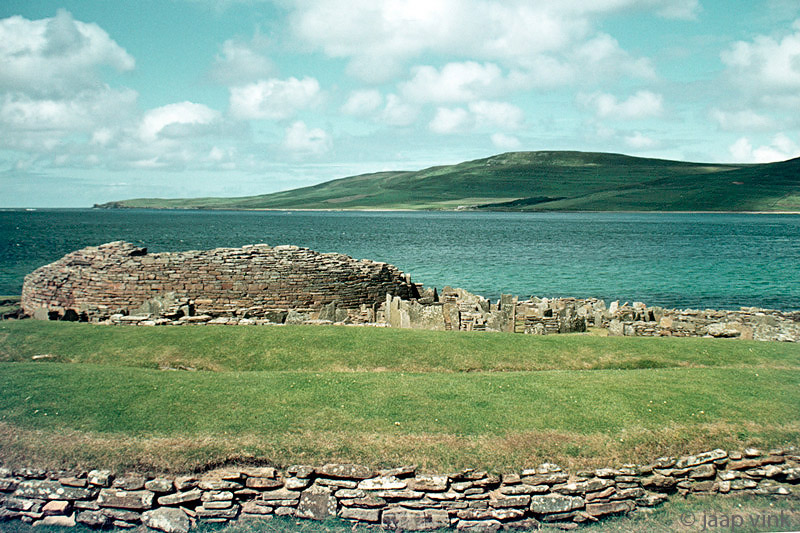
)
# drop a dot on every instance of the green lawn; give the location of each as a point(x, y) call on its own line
point(443, 400)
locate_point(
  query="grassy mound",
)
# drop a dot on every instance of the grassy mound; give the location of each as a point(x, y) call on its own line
point(536, 181)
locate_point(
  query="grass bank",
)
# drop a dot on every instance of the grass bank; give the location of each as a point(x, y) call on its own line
point(365, 349)
point(443, 400)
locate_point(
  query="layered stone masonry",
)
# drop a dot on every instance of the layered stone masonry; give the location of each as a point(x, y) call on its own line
point(120, 283)
point(253, 282)
point(396, 499)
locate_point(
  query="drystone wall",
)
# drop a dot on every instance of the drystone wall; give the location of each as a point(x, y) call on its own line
point(257, 281)
point(398, 499)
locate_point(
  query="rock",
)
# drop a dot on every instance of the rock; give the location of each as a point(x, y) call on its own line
point(123, 499)
point(555, 503)
point(346, 471)
point(706, 457)
point(382, 483)
point(60, 521)
point(216, 496)
point(167, 519)
point(478, 526)
point(658, 482)
point(510, 501)
point(705, 471)
point(181, 497)
point(406, 519)
point(362, 515)
point(121, 514)
point(56, 507)
point(100, 478)
point(301, 471)
point(219, 484)
point(226, 514)
point(263, 483)
point(603, 509)
point(262, 471)
point(50, 490)
point(316, 503)
point(67, 481)
point(256, 507)
point(93, 519)
point(160, 484)
point(428, 483)
point(296, 483)
point(8, 485)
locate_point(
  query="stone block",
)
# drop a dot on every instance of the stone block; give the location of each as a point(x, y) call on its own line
point(555, 503)
point(411, 520)
point(50, 490)
point(167, 519)
point(123, 499)
point(316, 503)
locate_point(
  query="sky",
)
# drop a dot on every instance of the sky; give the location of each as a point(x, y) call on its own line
point(108, 100)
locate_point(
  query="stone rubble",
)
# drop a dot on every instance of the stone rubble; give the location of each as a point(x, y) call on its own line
point(399, 499)
point(120, 283)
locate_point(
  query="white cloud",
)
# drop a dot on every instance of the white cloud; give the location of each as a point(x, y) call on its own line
point(640, 141)
point(780, 149)
point(242, 62)
point(643, 104)
point(55, 56)
point(505, 142)
point(480, 114)
point(455, 82)
point(300, 140)
point(745, 120)
point(155, 121)
point(273, 99)
point(362, 103)
point(396, 112)
point(379, 37)
point(767, 63)
point(448, 120)
point(499, 114)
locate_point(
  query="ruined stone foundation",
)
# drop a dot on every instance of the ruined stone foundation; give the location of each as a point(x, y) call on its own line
point(255, 281)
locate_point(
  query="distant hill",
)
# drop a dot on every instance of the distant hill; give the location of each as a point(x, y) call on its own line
point(538, 181)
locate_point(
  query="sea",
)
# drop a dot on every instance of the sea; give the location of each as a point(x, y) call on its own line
point(676, 260)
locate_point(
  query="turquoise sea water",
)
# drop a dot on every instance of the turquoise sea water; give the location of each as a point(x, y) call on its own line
point(673, 260)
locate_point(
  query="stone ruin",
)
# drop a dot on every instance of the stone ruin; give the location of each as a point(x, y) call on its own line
point(121, 283)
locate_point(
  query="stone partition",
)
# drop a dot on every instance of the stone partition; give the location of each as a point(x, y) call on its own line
point(251, 282)
point(398, 499)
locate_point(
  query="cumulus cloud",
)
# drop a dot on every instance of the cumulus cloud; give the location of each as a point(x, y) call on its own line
point(449, 120)
point(273, 99)
point(640, 141)
point(156, 121)
point(766, 63)
point(362, 103)
point(745, 120)
point(505, 142)
point(300, 140)
point(479, 114)
point(242, 62)
point(643, 104)
point(780, 149)
point(455, 82)
point(397, 112)
point(378, 37)
point(55, 56)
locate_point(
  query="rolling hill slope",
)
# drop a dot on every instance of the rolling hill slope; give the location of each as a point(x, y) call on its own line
point(538, 181)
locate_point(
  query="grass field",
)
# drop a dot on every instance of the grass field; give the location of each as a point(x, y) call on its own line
point(443, 400)
point(536, 181)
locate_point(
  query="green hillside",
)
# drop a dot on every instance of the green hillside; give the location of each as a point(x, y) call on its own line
point(538, 181)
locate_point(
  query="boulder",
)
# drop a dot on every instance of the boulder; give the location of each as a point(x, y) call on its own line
point(124, 499)
point(555, 503)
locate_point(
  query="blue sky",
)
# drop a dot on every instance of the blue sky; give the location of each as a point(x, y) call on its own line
point(103, 100)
